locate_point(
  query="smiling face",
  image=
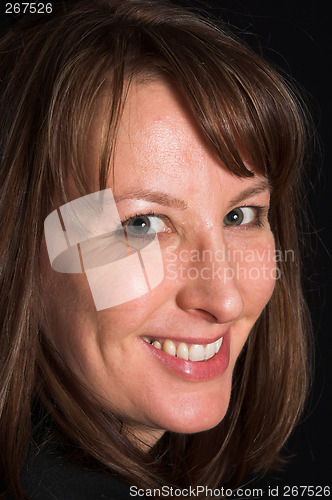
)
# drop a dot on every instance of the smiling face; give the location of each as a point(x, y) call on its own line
point(217, 253)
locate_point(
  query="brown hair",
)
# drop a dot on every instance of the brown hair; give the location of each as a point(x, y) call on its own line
point(52, 74)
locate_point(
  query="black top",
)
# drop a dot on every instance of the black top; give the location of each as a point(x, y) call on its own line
point(49, 475)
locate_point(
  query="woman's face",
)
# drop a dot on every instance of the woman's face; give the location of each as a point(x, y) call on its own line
point(217, 254)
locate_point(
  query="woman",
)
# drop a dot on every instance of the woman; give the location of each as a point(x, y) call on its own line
point(154, 331)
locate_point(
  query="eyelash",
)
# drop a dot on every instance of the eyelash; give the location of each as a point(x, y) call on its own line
point(259, 221)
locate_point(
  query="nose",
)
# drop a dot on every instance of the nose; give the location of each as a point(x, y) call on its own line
point(209, 286)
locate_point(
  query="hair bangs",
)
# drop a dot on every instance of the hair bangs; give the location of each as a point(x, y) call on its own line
point(248, 114)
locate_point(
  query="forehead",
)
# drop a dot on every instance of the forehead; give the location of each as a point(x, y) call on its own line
point(159, 143)
point(160, 136)
point(157, 120)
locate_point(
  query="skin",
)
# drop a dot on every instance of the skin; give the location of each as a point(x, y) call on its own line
point(160, 148)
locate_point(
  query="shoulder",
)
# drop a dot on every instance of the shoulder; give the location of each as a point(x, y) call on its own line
point(49, 475)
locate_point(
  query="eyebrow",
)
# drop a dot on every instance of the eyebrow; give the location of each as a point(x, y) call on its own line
point(165, 199)
point(154, 197)
point(249, 192)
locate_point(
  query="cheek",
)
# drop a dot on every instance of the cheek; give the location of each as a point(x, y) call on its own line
point(130, 317)
point(78, 301)
point(133, 276)
point(68, 309)
point(256, 273)
point(67, 305)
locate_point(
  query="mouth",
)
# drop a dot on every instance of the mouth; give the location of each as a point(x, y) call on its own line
point(193, 361)
point(186, 351)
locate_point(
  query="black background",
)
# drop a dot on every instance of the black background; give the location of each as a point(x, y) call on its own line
point(297, 37)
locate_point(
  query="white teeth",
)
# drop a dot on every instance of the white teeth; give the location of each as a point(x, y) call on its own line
point(169, 347)
point(182, 351)
point(196, 352)
point(193, 352)
point(218, 344)
point(210, 351)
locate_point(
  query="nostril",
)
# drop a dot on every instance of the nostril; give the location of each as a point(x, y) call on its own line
point(205, 315)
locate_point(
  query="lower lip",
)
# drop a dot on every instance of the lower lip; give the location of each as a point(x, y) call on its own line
point(195, 370)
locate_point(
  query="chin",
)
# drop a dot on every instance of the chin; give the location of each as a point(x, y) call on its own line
point(196, 415)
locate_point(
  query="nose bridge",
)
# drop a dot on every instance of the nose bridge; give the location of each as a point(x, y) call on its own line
point(209, 277)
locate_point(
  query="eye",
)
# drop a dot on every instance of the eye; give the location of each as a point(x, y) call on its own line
point(240, 216)
point(142, 225)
